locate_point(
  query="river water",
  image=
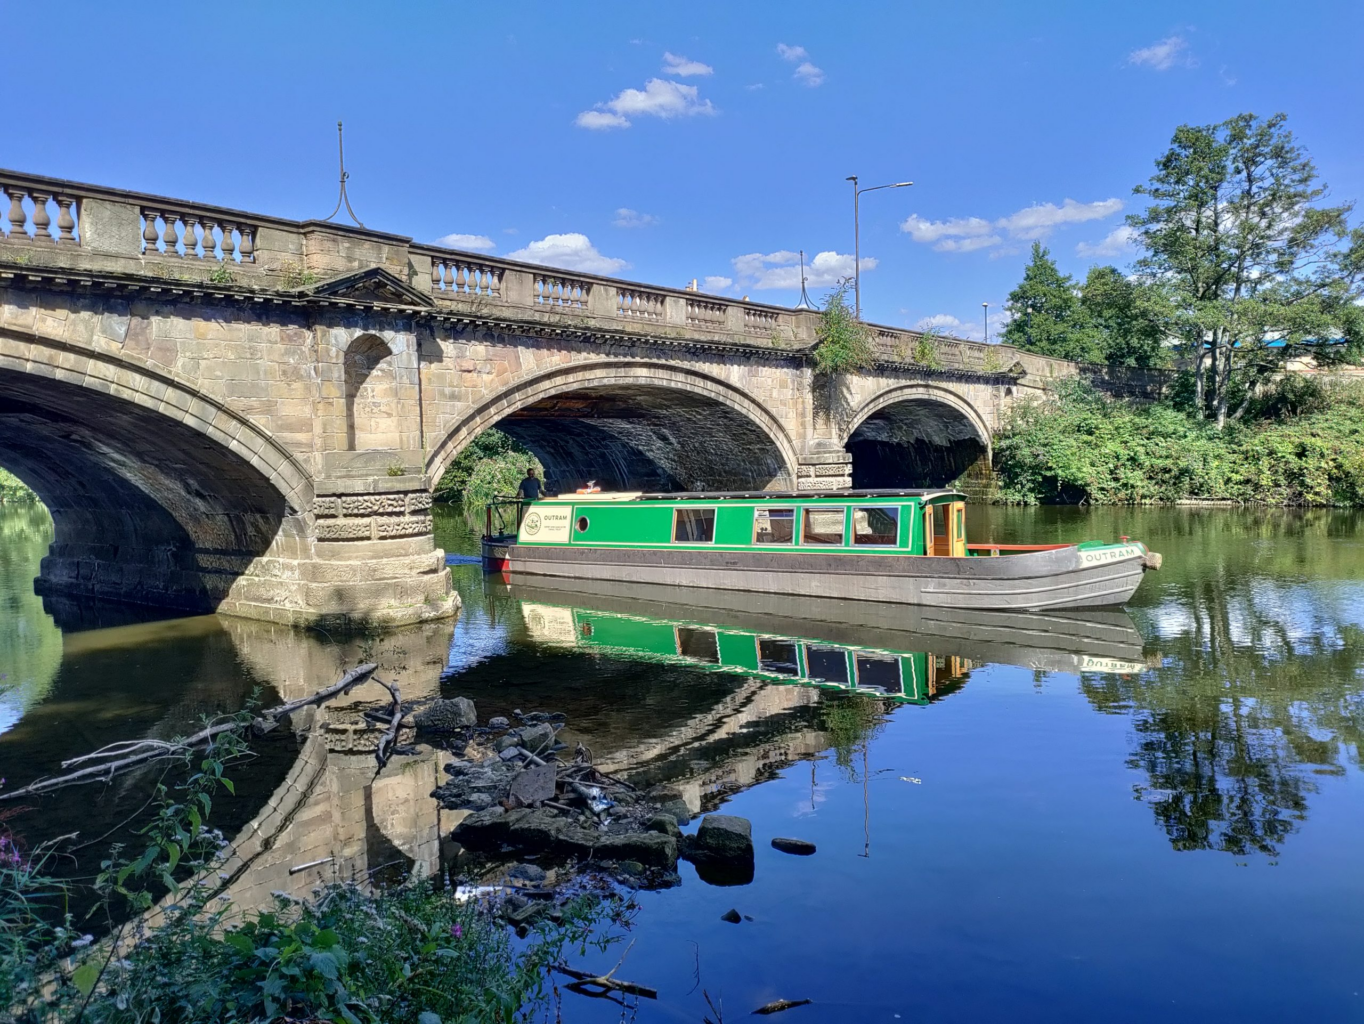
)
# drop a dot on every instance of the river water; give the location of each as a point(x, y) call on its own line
point(1150, 815)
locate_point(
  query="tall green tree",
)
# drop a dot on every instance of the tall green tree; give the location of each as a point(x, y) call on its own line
point(1047, 315)
point(1260, 271)
point(1130, 318)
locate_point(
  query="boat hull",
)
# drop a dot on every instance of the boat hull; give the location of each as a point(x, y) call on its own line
point(1069, 577)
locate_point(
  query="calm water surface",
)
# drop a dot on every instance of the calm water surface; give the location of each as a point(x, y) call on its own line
point(1155, 816)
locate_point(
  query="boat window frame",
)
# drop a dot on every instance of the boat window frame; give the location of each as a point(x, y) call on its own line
point(805, 518)
point(795, 519)
point(880, 657)
point(892, 510)
point(581, 525)
point(714, 511)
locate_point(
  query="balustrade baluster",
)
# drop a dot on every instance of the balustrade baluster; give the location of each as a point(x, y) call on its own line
point(190, 239)
point(449, 283)
point(248, 246)
point(228, 246)
point(435, 275)
point(149, 232)
point(170, 236)
point(66, 224)
point(460, 279)
point(495, 282)
point(17, 216)
point(42, 222)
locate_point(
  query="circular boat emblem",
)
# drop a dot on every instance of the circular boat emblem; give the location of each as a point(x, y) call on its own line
point(533, 523)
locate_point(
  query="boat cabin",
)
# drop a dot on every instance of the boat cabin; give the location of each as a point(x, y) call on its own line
point(914, 522)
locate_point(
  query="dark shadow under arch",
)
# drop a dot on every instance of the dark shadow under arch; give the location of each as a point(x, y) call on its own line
point(917, 441)
point(145, 509)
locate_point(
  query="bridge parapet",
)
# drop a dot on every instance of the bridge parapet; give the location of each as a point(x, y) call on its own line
point(54, 222)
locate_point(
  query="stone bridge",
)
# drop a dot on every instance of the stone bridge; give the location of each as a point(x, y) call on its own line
point(226, 410)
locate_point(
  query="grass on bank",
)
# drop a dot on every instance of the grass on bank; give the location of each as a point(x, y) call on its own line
point(1306, 448)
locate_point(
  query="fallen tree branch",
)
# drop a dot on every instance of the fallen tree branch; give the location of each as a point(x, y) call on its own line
point(131, 753)
point(385, 749)
point(604, 983)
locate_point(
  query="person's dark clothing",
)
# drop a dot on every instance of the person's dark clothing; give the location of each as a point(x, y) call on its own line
point(529, 489)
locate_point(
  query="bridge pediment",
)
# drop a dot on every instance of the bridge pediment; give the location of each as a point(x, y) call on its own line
point(372, 285)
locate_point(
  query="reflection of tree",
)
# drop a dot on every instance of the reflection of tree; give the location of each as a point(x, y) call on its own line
point(850, 720)
point(1259, 691)
point(30, 644)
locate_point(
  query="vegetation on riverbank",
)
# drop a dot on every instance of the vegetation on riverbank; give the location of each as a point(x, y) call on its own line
point(410, 955)
point(492, 464)
point(1306, 448)
point(14, 491)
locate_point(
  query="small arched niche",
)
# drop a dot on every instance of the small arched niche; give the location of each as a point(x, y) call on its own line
point(372, 414)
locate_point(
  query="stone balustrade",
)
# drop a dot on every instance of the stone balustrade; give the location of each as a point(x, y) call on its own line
point(101, 228)
point(461, 275)
point(171, 232)
point(640, 304)
point(31, 209)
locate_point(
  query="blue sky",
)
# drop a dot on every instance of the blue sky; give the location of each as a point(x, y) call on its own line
point(679, 141)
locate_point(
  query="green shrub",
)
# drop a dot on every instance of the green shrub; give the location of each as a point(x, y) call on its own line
point(1082, 447)
point(14, 491)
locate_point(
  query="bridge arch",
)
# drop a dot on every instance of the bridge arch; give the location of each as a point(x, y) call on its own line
point(634, 424)
point(159, 494)
point(915, 435)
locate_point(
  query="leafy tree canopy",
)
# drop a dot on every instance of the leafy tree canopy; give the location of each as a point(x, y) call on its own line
point(1258, 269)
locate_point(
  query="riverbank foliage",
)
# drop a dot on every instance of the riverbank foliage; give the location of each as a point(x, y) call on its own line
point(14, 491)
point(408, 955)
point(1082, 447)
point(492, 464)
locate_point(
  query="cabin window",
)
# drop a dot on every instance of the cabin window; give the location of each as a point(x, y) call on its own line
point(694, 525)
point(876, 524)
point(698, 644)
point(879, 673)
point(824, 525)
point(778, 656)
point(774, 525)
point(827, 664)
point(583, 524)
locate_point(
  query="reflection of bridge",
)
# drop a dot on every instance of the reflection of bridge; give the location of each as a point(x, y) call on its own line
point(229, 410)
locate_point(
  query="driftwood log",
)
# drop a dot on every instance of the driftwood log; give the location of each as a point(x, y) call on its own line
point(103, 764)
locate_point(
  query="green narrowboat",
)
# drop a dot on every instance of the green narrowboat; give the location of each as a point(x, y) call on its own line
point(895, 546)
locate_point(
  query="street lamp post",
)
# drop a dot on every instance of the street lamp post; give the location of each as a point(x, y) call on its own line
point(857, 240)
point(986, 306)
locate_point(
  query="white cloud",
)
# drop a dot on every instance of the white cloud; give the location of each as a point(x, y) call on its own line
point(600, 119)
point(967, 244)
point(572, 251)
point(1038, 221)
point(627, 218)
point(1115, 243)
point(682, 67)
point(716, 283)
point(658, 98)
point(805, 71)
point(958, 227)
point(782, 269)
point(1162, 56)
point(469, 243)
point(945, 322)
point(1032, 223)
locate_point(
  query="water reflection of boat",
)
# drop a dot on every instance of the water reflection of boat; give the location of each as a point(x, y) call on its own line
point(886, 649)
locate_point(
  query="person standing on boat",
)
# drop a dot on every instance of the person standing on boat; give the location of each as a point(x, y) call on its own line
point(530, 486)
